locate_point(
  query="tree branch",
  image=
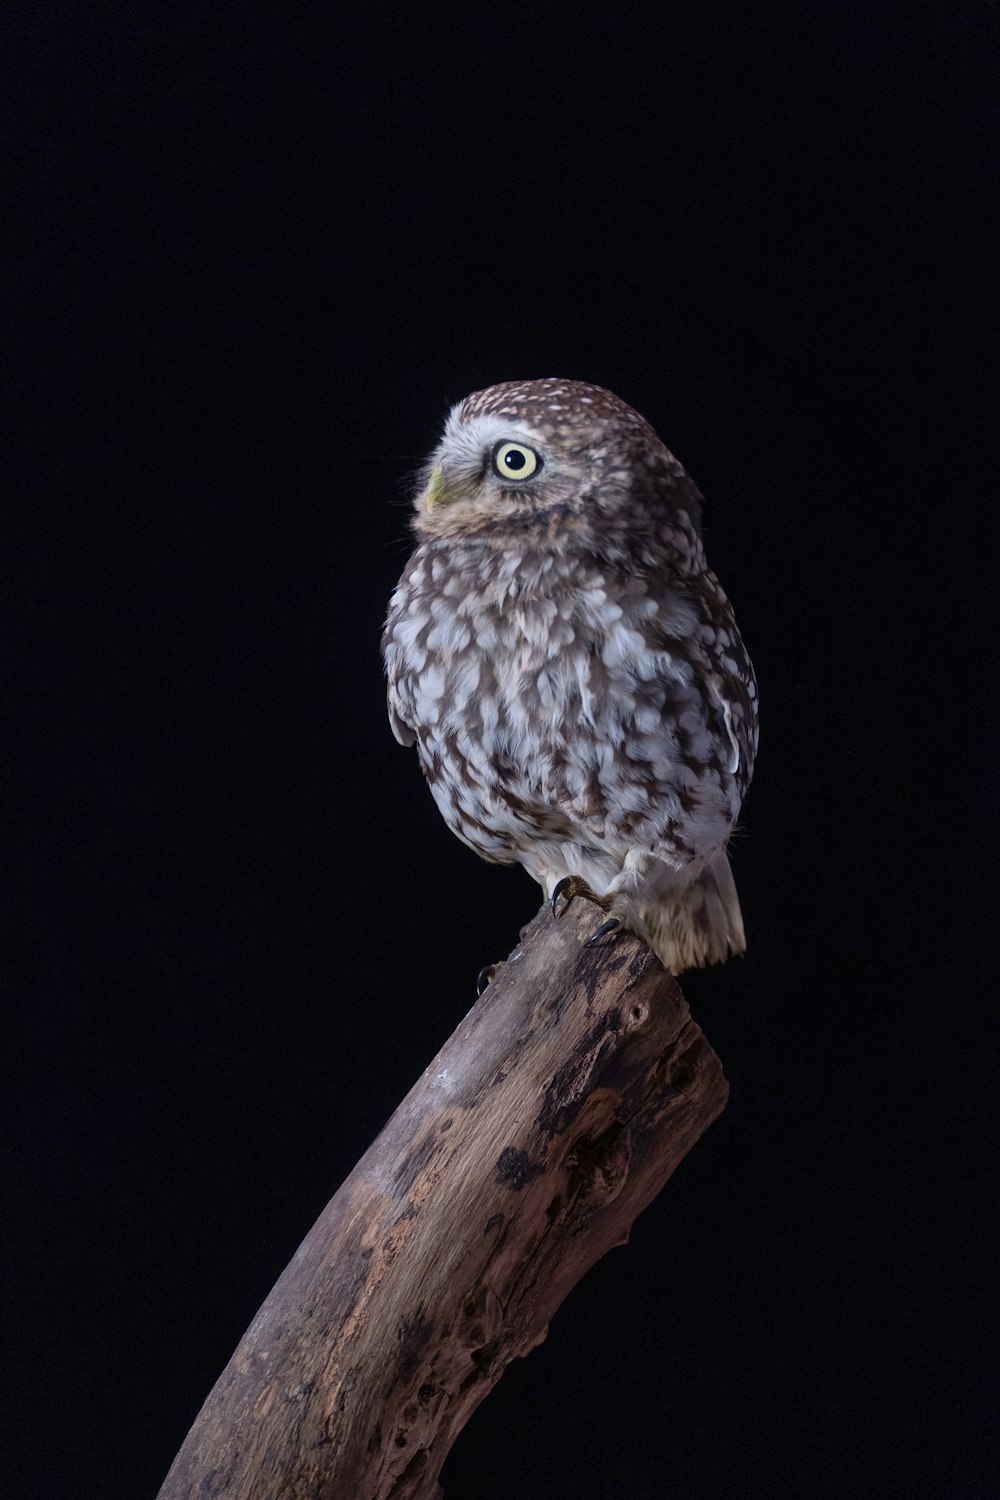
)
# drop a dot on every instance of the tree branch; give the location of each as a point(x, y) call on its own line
point(546, 1124)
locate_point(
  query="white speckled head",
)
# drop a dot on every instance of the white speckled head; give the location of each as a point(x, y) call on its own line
point(590, 458)
point(558, 408)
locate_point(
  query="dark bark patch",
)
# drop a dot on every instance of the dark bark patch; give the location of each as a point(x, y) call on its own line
point(514, 1168)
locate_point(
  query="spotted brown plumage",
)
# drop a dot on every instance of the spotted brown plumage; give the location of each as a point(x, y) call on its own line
point(569, 668)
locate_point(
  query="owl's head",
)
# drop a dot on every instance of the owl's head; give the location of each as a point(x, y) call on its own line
point(551, 460)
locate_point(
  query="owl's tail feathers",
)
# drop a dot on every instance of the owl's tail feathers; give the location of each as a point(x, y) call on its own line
point(701, 924)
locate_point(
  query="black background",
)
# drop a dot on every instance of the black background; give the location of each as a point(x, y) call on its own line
point(256, 255)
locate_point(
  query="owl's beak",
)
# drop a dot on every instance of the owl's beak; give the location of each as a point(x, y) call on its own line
point(435, 493)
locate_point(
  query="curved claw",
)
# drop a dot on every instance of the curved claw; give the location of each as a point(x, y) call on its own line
point(560, 890)
point(486, 973)
point(609, 926)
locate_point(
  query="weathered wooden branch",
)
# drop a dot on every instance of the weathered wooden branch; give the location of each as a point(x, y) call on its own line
point(545, 1125)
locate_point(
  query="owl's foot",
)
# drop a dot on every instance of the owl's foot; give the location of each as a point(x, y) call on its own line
point(486, 976)
point(570, 886)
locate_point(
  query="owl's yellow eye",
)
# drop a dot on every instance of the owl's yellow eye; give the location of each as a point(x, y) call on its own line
point(515, 461)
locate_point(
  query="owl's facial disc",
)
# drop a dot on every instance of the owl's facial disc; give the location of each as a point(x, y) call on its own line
point(477, 466)
point(474, 459)
point(512, 462)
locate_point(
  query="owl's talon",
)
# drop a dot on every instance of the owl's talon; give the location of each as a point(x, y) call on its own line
point(570, 886)
point(486, 976)
point(609, 926)
point(561, 890)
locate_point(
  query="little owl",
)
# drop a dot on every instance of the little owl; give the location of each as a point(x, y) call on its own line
point(569, 667)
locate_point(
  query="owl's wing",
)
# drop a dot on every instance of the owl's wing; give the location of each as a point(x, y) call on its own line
point(711, 645)
point(732, 687)
point(398, 638)
point(404, 734)
point(399, 684)
point(735, 700)
point(399, 701)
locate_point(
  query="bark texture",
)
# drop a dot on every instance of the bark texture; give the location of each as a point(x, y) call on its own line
point(546, 1124)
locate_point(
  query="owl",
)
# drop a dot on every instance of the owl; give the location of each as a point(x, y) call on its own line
point(569, 667)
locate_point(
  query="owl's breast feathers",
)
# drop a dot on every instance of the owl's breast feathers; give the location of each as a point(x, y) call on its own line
point(556, 696)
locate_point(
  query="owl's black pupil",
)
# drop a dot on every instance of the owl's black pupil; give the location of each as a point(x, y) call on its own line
point(515, 460)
